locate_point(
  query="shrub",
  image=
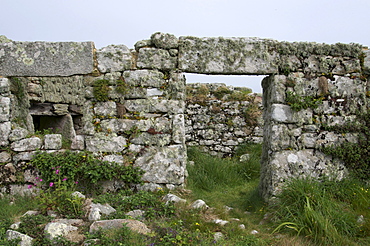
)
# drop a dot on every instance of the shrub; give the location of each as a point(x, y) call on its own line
point(83, 168)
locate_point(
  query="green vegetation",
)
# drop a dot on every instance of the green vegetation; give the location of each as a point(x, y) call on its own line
point(83, 168)
point(307, 212)
point(327, 212)
point(355, 155)
point(101, 90)
point(298, 103)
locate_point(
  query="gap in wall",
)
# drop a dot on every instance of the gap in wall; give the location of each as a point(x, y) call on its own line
point(250, 81)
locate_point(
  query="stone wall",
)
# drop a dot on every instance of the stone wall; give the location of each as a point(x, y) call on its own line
point(125, 105)
point(218, 117)
point(128, 105)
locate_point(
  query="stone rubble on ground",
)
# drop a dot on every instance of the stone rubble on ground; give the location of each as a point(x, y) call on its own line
point(199, 204)
point(25, 240)
point(68, 228)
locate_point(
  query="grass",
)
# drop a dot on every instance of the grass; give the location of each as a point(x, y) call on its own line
point(326, 212)
point(307, 213)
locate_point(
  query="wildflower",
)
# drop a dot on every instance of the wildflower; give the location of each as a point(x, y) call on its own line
point(51, 184)
point(30, 186)
point(57, 171)
point(40, 180)
point(76, 182)
point(197, 224)
point(64, 179)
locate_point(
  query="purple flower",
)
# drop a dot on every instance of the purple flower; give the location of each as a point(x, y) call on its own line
point(76, 182)
point(57, 171)
point(40, 180)
point(30, 186)
point(64, 179)
point(51, 184)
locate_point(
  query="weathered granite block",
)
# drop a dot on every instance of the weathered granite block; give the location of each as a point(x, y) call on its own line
point(145, 78)
point(226, 56)
point(4, 86)
point(46, 58)
point(102, 143)
point(105, 108)
point(282, 113)
point(178, 129)
point(156, 59)
point(53, 141)
point(4, 108)
point(24, 239)
point(114, 58)
point(163, 165)
point(5, 129)
point(5, 157)
point(155, 105)
point(152, 139)
point(165, 40)
point(78, 142)
point(27, 144)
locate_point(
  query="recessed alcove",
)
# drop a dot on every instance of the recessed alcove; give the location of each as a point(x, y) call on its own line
point(58, 118)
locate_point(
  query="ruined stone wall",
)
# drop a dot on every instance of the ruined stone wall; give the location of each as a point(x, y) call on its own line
point(125, 105)
point(129, 105)
point(218, 118)
point(335, 77)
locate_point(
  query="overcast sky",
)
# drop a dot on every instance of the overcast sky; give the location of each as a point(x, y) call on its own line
point(126, 22)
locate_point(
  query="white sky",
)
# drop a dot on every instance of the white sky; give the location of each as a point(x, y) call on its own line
point(126, 22)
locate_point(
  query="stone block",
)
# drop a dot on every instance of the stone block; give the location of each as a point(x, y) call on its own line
point(4, 86)
point(165, 40)
point(27, 144)
point(4, 108)
point(5, 157)
point(114, 158)
point(282, 113)
point(24, 239)
point(151, 58)
point(134, 225)
point(114, 58)
point(102, 143)
point(78, 143)
point(178, 129)
point(57, 229)
point(144, 78)
point(105, 108)
point(155, 106)
point(46, 58)
point(53, 141)
point(163, 165)
point(226, 56)
point(24, 156)
point(5, 129)
point(153, 92)
point(146, 138)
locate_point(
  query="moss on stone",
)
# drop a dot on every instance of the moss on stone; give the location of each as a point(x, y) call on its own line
point(101, 90)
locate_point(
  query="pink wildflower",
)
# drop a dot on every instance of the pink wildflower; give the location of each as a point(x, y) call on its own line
point(76, 182)
point(30, 186)
point(57, 171)
point(64, 179)
point(40, 180)
point(51, 184)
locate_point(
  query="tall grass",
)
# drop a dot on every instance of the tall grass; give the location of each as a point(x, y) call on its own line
point(325, 211)
point(210, 173)
point(229, 182)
